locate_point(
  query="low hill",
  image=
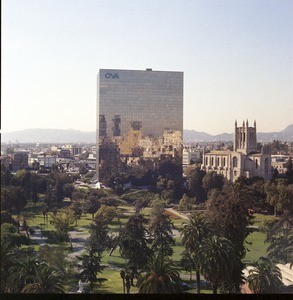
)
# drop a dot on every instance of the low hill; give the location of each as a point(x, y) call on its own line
point(77, 136)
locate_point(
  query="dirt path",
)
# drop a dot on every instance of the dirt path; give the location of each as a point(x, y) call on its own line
point(173, 211)
point(77, 240)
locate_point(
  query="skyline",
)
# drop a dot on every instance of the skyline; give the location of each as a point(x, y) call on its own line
point(231, 52)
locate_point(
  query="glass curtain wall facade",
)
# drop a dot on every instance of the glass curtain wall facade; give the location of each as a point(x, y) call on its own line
point(141, 112)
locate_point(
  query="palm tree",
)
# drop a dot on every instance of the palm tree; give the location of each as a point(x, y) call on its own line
point(22, 272)
point(160, 278)
point(193, 234)
point(265, 277)
point(215, 258)
point(7, 255)
point(47, 281)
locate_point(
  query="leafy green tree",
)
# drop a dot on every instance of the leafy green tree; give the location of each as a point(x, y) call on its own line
point(185, 203)
point(10, 235)
point(229, 217)
point(77, 211)
point(6, 217)
point(6, 176)
point(195, 185)
point(133, 241)
point(68, 190)
point(215, 258)
point(265, 277)
point(212, 180)
point(63, 221)
point(193, 234)
point(160, 278)
point(13, 199)
point(91, 206)
point(90, 265)
point(99, 235)
point(280, 239)
point(279, 195)
point(106, 213)
point(160, 230)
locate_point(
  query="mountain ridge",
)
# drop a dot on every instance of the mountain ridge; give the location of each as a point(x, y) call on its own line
point(39, 135)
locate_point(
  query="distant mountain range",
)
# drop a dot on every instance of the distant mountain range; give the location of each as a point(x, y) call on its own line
point(77, 136)
point(285, 135)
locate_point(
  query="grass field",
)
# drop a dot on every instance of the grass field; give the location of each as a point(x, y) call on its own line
point(256, 240)
point(113, 282)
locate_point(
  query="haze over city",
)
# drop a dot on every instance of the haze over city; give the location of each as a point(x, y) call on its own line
point(237, 59)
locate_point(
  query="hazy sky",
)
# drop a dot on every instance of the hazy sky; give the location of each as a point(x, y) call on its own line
point(236, 55)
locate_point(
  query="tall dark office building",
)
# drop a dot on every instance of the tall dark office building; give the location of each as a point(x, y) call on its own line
point(141, 112)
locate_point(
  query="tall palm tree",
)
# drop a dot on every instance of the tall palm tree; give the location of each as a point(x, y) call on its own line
point(160, 278)
point(265, 277)
point(193, 234)
point(215, 258)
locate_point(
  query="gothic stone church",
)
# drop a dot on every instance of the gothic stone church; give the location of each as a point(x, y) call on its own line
point(244, 160)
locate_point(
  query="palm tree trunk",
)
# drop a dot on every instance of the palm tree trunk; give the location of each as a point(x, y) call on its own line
point(215, 288)
point(197, 282)
point(275, 210)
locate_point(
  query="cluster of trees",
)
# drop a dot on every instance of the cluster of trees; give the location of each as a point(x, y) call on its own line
point(24, 270)
point(145, 243)
point(24, 186)
point(215, 240)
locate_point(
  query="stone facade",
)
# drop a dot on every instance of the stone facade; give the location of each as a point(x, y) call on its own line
point(244, 160)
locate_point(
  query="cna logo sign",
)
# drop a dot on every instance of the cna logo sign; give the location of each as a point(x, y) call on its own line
point(111, 76)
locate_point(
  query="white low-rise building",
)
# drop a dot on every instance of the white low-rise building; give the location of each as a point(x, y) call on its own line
point(47, 161)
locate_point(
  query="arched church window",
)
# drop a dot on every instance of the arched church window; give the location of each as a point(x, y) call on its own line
point(234, 161)
point(212, 163)
point(224, 161)
point(218, 161)
point(256, 163)
point(207, 160)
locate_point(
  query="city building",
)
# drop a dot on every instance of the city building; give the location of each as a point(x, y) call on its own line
point(190, 155)
point(64, 153)
point(47, 161)
point(244, 160)
point(141, 111)
point(279, 163)
point(20, 160)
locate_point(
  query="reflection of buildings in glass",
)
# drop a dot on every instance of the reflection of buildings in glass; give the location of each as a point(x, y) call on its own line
point(116, 125)
point(132, 140)
point(103, 125)
point(145, 109)
point(172, 141)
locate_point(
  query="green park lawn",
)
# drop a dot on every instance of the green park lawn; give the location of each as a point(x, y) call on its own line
point(256, 240)
point(113, 283)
